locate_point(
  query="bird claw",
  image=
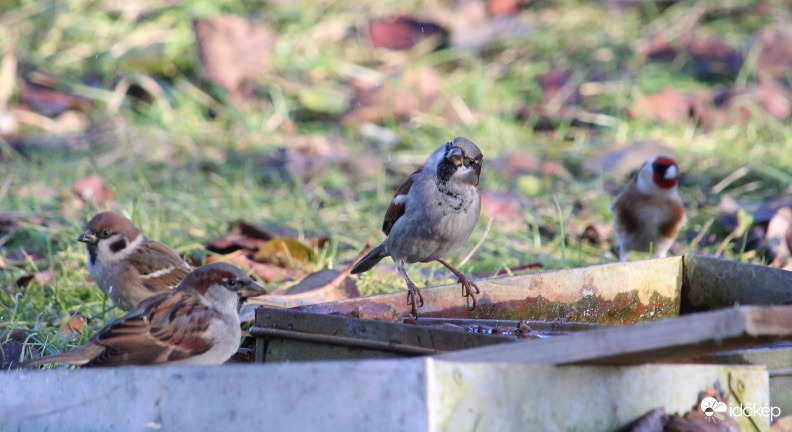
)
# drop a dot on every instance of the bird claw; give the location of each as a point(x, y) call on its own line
point(414, 299)
point(467, 284)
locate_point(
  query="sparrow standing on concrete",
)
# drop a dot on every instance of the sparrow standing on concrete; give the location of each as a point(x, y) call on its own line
point(432, 213)
point(649, 212)
point(197, 323)
point(126, 265)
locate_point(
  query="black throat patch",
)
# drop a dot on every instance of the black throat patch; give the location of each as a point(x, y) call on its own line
point(445, 169)
point(91, 252)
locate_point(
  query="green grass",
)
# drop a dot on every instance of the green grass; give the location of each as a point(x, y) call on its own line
point(188, 163)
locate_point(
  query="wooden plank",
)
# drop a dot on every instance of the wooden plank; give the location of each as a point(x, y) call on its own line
point(607, 294)
point(711, 283)
point(660, 341)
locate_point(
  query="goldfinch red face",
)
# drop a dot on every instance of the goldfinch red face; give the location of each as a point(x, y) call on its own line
point(665, 172)
point(659, 174)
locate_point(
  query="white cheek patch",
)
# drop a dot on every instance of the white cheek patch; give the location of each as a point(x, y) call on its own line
point(671, 173)
point(108, 255)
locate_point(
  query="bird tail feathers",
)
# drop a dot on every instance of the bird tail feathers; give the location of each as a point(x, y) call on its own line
point(371, 259)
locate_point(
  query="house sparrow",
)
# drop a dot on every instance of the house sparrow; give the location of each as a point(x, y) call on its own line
point(197, 323)
point(432, 213)
point(648, 213)
point(126, 265)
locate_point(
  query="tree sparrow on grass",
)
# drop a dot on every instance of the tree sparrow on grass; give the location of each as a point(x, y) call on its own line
point(197, 323)
point(432, 213)
point(648, 213)
point(126, 265)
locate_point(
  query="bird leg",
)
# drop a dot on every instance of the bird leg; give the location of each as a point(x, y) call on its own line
point(467, 284)
point(414, 298)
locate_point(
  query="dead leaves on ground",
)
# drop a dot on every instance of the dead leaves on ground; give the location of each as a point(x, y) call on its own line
point(696, 419)
point(274, 253)
point(233, 52)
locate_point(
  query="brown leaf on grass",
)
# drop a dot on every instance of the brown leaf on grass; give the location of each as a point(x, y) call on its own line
point(559, 89)
point(75, 324)
point(285, 252)
point(10, 222)
point(545, 120)
point(49, 101)
point(503, 7)
point(403, 32)
point(669, 106)
point(42, 278)
point(319, 287)
point(267, 272)
point(503, 207)
point(400, 97)
point(740, 105)
point(23, 255)
point(779, 237)
point(233, 52)
point(250, 237)
point(515, 164)
point(711, 57)
point(775, 58)
point(91, 189)
point(13, 344)
point(478, 36)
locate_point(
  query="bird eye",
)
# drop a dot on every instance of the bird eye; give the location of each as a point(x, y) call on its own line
point(106, 233)
point(232, 282)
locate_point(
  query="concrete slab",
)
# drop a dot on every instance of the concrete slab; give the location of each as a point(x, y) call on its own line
point(420, 394)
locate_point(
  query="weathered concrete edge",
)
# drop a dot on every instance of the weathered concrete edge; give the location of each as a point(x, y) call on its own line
point(418, 394)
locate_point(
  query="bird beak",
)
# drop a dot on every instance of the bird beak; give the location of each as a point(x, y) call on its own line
point(251, 290)
point(456, 156)
point(87, 237)
point(671, 173)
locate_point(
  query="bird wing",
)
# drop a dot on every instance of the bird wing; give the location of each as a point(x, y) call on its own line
point(398, 204)
point(159, 266)
point(162, 328)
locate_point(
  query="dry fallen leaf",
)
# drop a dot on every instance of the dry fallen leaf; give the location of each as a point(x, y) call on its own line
point(285, 252)
point(75, 324)
point(400, 97)
point(12, 345)
point(503, 7)
point(666, 106)
point(503, 207)
point(48, 101)
point(710, 56)
point(42, 278)
point(91, 189)
point(267, 272)
point(233, 52)
point(775, 58)
point(320, 287)
point(403, 32)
